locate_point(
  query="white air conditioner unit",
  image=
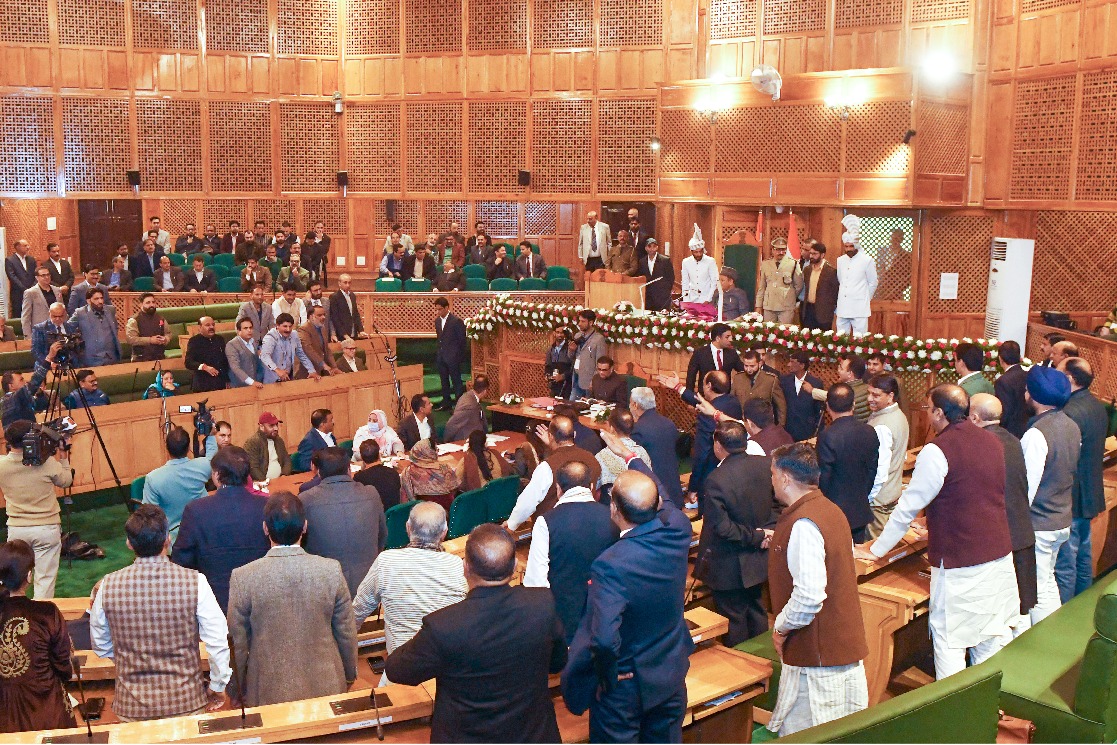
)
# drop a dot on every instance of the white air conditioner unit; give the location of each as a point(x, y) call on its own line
point(1010, 289)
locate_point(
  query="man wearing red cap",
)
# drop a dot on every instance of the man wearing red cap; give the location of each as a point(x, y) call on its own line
point(267, 453)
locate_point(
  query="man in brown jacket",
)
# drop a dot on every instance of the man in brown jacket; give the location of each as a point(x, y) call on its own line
point(818, 634)
point(622, 257)
point(754, 382)
point(315, 338)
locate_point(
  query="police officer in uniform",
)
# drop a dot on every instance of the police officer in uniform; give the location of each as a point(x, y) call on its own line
point(781, 280)
point(754, 382)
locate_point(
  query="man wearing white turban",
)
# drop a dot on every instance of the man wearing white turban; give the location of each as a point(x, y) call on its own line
point(857, 278)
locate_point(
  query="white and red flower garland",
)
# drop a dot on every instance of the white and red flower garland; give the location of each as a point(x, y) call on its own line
point(687, 334)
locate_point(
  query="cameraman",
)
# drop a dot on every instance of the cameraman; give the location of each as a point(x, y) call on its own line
point(32, 503)
point(22, 398)
point(51, 330)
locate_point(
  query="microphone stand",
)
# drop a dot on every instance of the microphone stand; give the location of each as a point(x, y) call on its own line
point(401, 410)
point(89, 736)
point(230, 723)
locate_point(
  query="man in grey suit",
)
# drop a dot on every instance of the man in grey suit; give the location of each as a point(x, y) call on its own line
point(243, 354)
point(259, 312)
point(591, 345)
point(468, 414)
point(291, 616)
point(345, 519)
point(37, 300)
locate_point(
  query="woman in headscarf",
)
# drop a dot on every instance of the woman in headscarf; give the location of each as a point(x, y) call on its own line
point(427, 478)
point(163, 386)
point(480, 465)
point(34, 650)
point(377, 429)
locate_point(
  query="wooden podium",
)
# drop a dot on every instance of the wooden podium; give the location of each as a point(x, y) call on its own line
point(604, 289)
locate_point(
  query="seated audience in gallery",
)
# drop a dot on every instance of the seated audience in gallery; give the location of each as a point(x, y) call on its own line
point(500, 266)
point(449, 278)
point(528, 264)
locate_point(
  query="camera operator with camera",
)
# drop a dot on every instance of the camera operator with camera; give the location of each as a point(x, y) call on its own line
point(56, 328)
point(34, 514)
point(22, 397)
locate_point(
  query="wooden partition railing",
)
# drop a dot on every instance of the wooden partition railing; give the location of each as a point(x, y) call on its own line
point(1100, 352)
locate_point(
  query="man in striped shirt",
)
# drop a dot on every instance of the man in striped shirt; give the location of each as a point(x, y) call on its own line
point(413, 581)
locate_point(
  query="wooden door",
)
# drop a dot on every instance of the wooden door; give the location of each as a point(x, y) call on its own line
point(103, 224)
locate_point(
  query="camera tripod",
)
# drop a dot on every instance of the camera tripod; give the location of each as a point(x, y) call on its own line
point(55, 410)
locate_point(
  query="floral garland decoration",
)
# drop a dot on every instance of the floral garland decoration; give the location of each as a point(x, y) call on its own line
point(904, 353)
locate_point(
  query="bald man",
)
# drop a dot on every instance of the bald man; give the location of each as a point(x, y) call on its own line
point(630, 655)
point(594, 241)
point(490, 654)
point(205, 355)
point(986, 412)
point(1062, 351)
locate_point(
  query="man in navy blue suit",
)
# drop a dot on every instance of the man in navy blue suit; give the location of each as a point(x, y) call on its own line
point(803, 410)
point(657, 434)
point(630, 656)
point(453, 348)
point(715, 390)
point(320, 436)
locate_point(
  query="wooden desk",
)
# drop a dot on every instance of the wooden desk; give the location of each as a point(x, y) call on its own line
point(604, 289)
point(514, 418)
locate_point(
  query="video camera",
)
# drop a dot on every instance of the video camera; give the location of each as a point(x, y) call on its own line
point(72, 344)
point(203, 418)
point(44, 440)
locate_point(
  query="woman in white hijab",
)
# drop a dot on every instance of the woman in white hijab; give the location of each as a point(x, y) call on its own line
point(377, 429)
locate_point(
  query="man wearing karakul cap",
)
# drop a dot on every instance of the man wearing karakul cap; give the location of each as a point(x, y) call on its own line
point(1051, 447)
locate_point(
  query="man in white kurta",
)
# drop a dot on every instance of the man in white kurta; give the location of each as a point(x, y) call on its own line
point(959, 480)
point(699, 276)
point(857, 283)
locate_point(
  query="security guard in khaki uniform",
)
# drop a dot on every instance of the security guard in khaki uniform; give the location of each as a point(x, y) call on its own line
point(781, 280)
point(755, 382)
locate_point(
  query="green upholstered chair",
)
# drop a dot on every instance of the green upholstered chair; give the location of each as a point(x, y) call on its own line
point(467, 511)
point(228, 284)
point(1061, 674)
point(417, 285)
point(221, 271)
point(136, 489)
point(347, 446)
point(961, 708)
point(560, 283)
point(16, 325)
point(396, 517)
point(503, 284)
point(388, 284)
point(556, 272)
point(207, 259)
point(476, 284)
point(532, 283)
point(474, 270)
point(177, 259)
point(500, 497)
point(238, 268)
point(224, 259)
point(143, 284)
point(274, 267)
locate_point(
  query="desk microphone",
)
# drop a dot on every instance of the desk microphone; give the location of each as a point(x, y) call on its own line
point(379, 724)
point(75, 662)
point(241, 693)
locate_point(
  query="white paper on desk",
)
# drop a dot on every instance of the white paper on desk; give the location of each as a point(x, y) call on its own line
point(491, 440)
point(448, 447)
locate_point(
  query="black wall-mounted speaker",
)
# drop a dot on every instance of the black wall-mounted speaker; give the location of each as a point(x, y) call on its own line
point(133, 178)
point(524, 178)
point(390, 210)
point(343, 178)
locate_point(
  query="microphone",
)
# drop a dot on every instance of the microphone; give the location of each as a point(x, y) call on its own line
point(379, 725)
point(240, 691)
point(75, 662)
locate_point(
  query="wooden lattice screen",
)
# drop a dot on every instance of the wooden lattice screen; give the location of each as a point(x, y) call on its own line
point(365, 24)
point(87, 23)
point(959, 243)
point(502, 219)
point(924, 11)
point(439, 214)
point(795, 138)
point(874, 138)
point(237, 26)
point(1073, 269)
point(218, 212)
point(308, 147)
point(686, 138)
point(27, 131)
point(1033, 6)
point(631, 23)
point(240, 149)
point(372, 138)
point(434, 155)
point(894, 262)
point(732, 19)
point(560, 146)
point(274, 212)
point(307, 27)
point(165, 24)
point(433, 25)
point(97, 149)
point(177, 213)
point(560, 24)
point(498, 25)
point(868, 13)
point(406, 214)
point(1043, 121)
point(24, 22)
point(540, 218)
point(170, 144)
point(1097, 137)
point(625, 161)
point(497, 145)
point(942, 147)
point(333, 212)
point(794, 16)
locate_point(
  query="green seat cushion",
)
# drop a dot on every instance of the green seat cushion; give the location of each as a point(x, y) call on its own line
point(225, 259)
point(476, 284)
point(533, 283)
point(503, 284)
point(761, 646)
point(560, 283)
point(228, 284)
point(558, 272)
point(474, 270)
point(177, 259)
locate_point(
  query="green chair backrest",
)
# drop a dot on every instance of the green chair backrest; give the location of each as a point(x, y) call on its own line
point(503, 284)
point(16, 325)
point(224, 259)
point(347, 446)
point(143, 284)
point(474, 270)
point(388, 284)
point(300, 463)
point(238, 268)
point(1110, 409)
point(467, 511)
point(535, 248)
point(560, 283)
point(396, 517)
point(1095, 694)
point(744, 258)
point(207, 259)
point(221, 271)
point(274, 267)
point(136, 488)
point(533, 283)
point(500, 497)
point(558, 272)
point(417, 285)
point(476, 284)
point(177, 259)
point(228, 284)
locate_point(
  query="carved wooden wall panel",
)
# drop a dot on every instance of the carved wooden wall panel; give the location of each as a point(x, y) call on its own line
point(237, 26)
point(27, 137)
point(1073, 268)
point(625, 160)
point(1043, 132)
point(923, 11)
point(732, 19)
point(333, 212)
point(1097, 137)
point(799, 139)
point(874, 135)
point(959, 243)
point(165, 24)
point(307, 27)
point(308, 147)
point(686, 139)
point(434, 151)
point(372, 138)
point(502, 219)
point(497, 24)
point(437, 215)
point(894, 262)
point(218, 212)
point(540, 218)
point(1034, 6)
point(560, 146)
point(631, 23)
point(561, 24)
point(170, 144)
point(91, 22)
point(370, 26)
point(433, 25)
point(240, 146)
point(96, 144)
point(177, 213)
point(407, 215)
point(24, 21)
point(943, 138)
point(868, 13)
point(794, 16)
point(497, 145)
point(274, 212)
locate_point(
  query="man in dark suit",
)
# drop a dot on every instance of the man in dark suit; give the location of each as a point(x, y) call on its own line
point(453, 348)
point(657, 434)
point(1010, 387)
point(491, 653)
point(820, 290)
point(145, 262)
point(344, 518)
point(20, 268)
point(719, 354)
point(630, 655)
point(638, 234)
point(499, 266)
point(847, 457)
point(420, 260)
point(168, 277)
point(316, 250)
point(221, 532)
point(715, 390)
point(199, 278)
point(655, 266)
point(731, 559)
point(803, 411)
point(232, 239)
point(61, 273)
point(468, 414)
point(345, 316)
point(320, 436)
point(418, 425)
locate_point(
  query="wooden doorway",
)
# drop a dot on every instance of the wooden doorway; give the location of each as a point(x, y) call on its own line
point(103, 224)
